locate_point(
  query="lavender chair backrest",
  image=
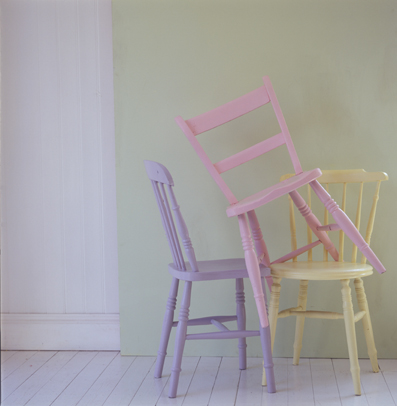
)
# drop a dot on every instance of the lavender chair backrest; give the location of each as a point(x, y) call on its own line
point(163, 183)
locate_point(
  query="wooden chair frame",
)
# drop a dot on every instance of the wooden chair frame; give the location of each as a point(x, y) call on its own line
point(196, 271)
point(343, 271)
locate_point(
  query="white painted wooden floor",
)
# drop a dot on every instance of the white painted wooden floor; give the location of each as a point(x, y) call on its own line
point(70, 378)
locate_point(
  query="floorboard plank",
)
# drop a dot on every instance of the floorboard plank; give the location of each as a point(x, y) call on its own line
point(325, 388)
point(250, 386)
point(24, 372)
point(14, 362)
point(129, 384)
point(345, 384)
point(374, 386)
point(57, 384)
point(300, 384)
point(388, 365)
point(85, 379)
point(226, 384)
point(105, 384)
point(280, 398)
point(391, 381)
point(7, 354)
point(150, 390)
point(35, 382)
point(203, 381)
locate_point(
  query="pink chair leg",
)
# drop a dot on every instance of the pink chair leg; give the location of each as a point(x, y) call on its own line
point(253, 269)
point(167, 326)
point(313, 223)
point(346, 225)
point(180, 339)
point(265, 295)
point(241, 322)
point(260, 245)
point(256, 282)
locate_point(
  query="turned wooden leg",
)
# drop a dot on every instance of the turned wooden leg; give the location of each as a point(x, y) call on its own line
point(260, 245)
point(241, 322)
point(268, 366)
point(253, 269)
point(167, 326)
point(346, 225)
point(180, 339)
point(273, 314)
point(368, 332)
point(300, 321)
point(313, 223)
point(348, 314)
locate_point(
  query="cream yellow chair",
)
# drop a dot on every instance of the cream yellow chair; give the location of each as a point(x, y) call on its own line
point(325, 270)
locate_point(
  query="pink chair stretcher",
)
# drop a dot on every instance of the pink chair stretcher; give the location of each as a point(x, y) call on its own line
point(230, 111)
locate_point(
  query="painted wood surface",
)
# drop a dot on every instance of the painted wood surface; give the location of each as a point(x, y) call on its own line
point(205, 380)
point(196, 271)
point(328, 271)
point(59, 241)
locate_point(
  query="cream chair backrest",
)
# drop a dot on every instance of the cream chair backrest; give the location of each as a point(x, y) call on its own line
point(342, 178)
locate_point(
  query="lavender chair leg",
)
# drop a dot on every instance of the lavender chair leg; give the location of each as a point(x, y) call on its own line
point(167, 326)
point(241, 323)
point(180, 339)
point(267, 358)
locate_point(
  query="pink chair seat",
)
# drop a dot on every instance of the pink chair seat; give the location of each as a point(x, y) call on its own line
point(272, 192)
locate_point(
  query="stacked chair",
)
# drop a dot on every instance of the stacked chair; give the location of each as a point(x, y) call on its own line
point(199, 271)
point(255, 250)
point(325, 270)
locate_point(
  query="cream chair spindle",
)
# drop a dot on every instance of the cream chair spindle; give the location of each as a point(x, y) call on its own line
point(325, 270)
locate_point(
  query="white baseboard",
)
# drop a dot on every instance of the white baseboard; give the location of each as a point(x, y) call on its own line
point(60, 332)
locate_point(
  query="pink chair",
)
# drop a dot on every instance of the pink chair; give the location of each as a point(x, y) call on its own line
point(196, 271)
point(230, 111)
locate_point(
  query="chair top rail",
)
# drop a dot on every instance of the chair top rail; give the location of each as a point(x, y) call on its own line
point(229, 111)
point(158, 173)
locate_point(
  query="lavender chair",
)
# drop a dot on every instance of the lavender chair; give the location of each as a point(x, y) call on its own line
point(196, 271)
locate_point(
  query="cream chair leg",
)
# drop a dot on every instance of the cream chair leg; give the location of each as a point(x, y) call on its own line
point(300, 321)
point(273, 314)
point(368, 332)
point(351, 335)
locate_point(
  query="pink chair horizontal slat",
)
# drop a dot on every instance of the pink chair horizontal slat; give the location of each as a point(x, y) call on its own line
point(250, 153)
point(229, 111)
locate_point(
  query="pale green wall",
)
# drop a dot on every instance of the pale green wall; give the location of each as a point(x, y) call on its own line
point(333, 65)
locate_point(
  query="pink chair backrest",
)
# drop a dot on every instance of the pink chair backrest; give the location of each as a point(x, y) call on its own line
point(231, 111)
point(163, 183)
